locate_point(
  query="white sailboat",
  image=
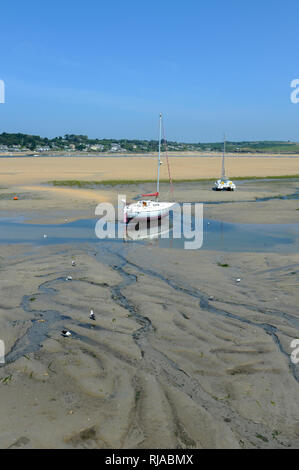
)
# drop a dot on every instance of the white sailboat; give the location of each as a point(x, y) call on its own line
point(149, 209)
point(224, 183)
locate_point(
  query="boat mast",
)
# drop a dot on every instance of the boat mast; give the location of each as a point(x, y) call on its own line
point(159, 158)
point(223, 156)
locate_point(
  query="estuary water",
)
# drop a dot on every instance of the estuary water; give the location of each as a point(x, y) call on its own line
point(216, 235)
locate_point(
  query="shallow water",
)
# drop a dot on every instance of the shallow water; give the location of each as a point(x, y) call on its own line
point(217, 235)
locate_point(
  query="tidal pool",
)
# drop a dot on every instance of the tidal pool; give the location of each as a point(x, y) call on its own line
point(217, 235)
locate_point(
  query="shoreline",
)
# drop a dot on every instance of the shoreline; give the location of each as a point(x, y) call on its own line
point(197, 154)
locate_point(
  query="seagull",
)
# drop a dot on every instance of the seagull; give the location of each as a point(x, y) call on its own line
point(66, 333)
point(92, 315)
point(73, 263)
point(45, 236)
point(69, 278)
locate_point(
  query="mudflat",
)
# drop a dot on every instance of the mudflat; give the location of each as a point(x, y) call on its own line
point(189, 348)
point(180, 354)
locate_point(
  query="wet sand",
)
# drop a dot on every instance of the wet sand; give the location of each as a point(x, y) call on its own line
point(255, 201)
point(180, 355)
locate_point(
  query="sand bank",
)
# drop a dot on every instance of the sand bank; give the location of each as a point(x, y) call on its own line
point(24, 171)
point(27, 178)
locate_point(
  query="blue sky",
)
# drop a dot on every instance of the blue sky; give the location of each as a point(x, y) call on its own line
point(107, 68)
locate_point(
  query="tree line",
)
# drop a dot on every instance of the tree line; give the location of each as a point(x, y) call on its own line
point(83, 143)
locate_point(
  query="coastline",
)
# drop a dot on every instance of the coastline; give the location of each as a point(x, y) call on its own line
point(148, 154)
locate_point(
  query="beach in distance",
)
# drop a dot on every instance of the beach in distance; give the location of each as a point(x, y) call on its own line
point(129, 168)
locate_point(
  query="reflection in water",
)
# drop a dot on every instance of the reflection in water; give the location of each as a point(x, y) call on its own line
point(217, 235)
point(148, 229)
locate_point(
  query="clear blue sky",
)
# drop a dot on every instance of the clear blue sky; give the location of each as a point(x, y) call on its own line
point(107, 68)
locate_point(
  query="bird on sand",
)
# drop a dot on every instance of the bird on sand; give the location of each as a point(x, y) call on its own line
point(66, 333)
point(92, 315)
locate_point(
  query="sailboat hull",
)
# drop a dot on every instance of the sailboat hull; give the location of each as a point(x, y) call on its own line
point(223, 189)
point(224, 185)
point(144, 210)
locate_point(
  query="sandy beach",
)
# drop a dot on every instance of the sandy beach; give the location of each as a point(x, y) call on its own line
point(19, 171)
point(180, 355)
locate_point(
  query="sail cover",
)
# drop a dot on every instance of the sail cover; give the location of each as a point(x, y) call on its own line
point(150, 194)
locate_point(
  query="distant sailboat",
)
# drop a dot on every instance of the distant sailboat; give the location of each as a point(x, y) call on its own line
point(149, 209)
point(224, 184)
